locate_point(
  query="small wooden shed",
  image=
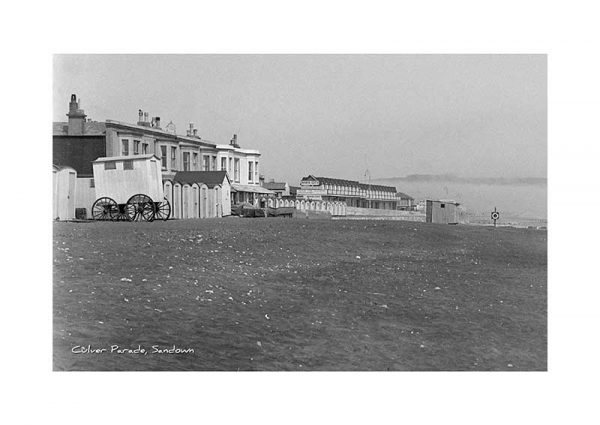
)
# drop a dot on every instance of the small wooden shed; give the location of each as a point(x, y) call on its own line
point(442, 211)
point(214, 192)
point(63, 187)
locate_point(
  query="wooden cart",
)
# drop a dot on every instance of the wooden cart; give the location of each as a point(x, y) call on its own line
point(129, 188)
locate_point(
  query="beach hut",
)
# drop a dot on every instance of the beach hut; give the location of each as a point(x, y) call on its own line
point(63, 179)
point(442, 211)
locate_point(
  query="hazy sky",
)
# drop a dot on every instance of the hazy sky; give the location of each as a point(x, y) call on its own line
point(333, 115)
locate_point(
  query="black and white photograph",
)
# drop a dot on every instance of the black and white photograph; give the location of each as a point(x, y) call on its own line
point(300, 212)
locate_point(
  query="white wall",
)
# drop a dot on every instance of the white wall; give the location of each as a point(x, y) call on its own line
point(85, 196)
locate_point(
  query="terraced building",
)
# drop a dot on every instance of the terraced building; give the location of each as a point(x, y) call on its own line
point(353, 193)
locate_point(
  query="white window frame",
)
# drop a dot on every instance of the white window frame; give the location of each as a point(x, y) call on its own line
point(124, 147)
point(163, 156)
point(173, 158)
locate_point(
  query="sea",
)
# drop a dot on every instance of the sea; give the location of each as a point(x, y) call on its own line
point(520, 204)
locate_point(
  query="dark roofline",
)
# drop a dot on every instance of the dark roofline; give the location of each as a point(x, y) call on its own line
point(209, 178)
point(351, 183)
point(403, 195)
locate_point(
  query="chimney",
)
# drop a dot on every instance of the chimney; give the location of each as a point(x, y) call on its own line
point(195, 132)
point(145, 116)
point(233, 141)
point(157, 122)
point(77, 117)
point(140, 117)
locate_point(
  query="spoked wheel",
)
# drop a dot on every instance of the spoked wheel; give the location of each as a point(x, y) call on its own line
point(104, 209)
point(163, 210)
point(125, 212)
point(144, 207)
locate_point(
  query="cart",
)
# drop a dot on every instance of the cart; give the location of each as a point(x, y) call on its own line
point(129, 188)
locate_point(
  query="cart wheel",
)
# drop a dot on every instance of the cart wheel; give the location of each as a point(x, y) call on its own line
point(125, 212)
point(163, 210)
point(104, 209)
point(144, 207)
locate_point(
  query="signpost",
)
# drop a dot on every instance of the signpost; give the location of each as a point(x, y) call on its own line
point(495, 216)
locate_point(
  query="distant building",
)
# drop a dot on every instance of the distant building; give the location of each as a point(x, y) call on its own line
point(442, 211)
point(405, 202)
point(294, 192)
point(281, 189)
point(353, 193)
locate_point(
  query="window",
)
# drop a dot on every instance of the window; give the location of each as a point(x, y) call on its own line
point(256, 172)
point(205, 162)
point(186, 161)
point(110, 165)
point(92, 183)
point(173, 158)
point(223, 164)
point(195, 161)
point(163, 157)
point(136, 147)
point(442, 205)
point(230, 169)
point(250, 171)
point(236, 170)
point(144, 148)
point(213, 164)
point(128, 165)
point(125, 147)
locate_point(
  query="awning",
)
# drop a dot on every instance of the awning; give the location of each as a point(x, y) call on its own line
point(251, 189)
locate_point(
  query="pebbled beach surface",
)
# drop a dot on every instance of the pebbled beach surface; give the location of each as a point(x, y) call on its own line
point(298, 295)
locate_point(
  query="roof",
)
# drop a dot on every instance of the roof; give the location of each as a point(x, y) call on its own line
point(351, 183)
point(209, 178)
point(403, 195)
point(251, 189)
point(90, 128)
point(156, 131)
point(444, 201)
point(126, 158)
point(57, 168)
point(275, 185)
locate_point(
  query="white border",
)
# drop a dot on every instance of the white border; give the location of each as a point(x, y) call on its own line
point(568, 34)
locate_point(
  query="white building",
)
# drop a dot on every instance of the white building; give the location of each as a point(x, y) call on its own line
point(80, 141)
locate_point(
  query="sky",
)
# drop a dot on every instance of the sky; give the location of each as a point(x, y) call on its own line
point(333, 115)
